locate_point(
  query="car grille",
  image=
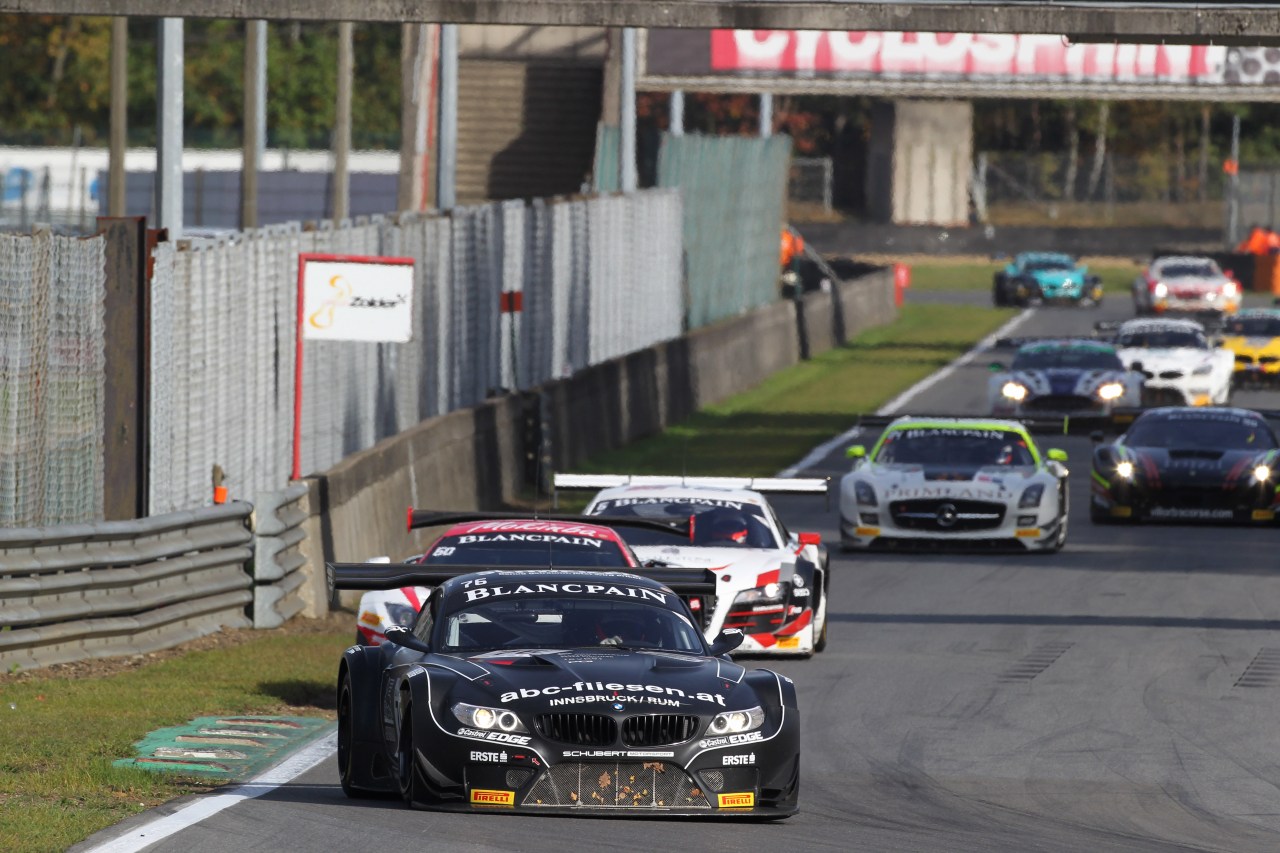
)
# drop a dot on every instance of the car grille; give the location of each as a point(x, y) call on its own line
point(1162, 397)
point(1244, 359)
point(658, 729)
point(942, 515)
point(1062, 403)
point(617, 785)
point(578, 729)
point(1192, 497)
point(765, 621)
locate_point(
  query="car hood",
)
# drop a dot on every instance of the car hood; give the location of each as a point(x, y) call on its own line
point(1057, 276)
point(533, 681)
point(1065, 380)
point(905, 482)
point(1195, 465)
point(1182, 359)
point(744, 565)
point(1243, 344)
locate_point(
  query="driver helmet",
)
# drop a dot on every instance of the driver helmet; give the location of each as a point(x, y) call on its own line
point(730, 527)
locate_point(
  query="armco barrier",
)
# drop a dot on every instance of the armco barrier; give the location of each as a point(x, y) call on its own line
point(122, 587)
point(281, 589)
point(481, 457)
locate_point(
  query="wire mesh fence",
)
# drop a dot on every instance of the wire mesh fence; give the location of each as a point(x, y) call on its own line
point(596, 278)
point(811, 180)
point(734, 189)
point(52, 296)
point(1154, 188)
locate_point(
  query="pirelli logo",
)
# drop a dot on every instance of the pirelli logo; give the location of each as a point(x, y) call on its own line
point(737, 801)
point(481, 797)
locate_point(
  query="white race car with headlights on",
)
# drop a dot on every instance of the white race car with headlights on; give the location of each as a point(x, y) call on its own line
point(1180, 365)
point(771, 583)
point(1187, 284)
point(956, 483)
point(1063, 376)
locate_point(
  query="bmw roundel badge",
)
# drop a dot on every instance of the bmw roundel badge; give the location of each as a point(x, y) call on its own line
point(618, 706)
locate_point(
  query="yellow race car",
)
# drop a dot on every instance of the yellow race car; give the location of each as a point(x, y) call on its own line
point(1253, 336)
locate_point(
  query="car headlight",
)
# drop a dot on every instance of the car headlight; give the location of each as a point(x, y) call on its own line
point(1111, 391)
point(1229, 289)
point(1160, 291)
point(1262, 473)
point(401, 614)
point(480, 717)
point(864, 493)
point(770, 593)
point(734, 722)
point(1014, 391)
point(1031, 496)
point(1124, 470)
point(1202, 370)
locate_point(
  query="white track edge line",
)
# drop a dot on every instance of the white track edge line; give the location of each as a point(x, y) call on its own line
point(818, 453)
point(203, 807)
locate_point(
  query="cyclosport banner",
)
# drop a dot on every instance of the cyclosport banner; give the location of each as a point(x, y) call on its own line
point(928, 59)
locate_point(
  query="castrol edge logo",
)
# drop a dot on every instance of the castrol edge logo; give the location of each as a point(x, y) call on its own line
point(481, 797)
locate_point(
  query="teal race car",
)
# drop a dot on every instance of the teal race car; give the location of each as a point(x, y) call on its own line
point(1034, 278)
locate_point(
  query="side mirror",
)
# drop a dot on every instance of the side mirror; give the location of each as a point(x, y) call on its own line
point(1136, 367)
point(1096, 436)
point(404, 637)
point(995, 366)
point(1057, 455)
point(857, 451)
point(810, 539)
point(729, 639)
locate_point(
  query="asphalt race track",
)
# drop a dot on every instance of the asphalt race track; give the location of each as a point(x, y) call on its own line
point(1120, 695)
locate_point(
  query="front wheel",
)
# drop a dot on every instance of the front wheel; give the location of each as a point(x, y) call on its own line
point(346, 738)
point(407, 772)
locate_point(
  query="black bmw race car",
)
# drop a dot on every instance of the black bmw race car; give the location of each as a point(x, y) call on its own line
point(1183, 463)
point(562, 690)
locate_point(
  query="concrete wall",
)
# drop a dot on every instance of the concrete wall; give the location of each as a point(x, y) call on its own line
point(918, 162)
point(485, 456)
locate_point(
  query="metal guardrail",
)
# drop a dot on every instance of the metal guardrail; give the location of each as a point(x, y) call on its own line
point(278, 560)
point(122, 587)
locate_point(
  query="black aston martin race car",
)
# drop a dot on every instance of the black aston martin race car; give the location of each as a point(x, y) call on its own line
point(580, 691)
point(1188, 464)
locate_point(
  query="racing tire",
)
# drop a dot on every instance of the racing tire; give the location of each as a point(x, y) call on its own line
point(408, 776)
point(820, 639)
point(346, 741)
point(1061, 539)
point(999, 295)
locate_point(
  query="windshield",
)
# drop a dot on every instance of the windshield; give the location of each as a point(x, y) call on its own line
point(1200, 270)
point(1049, 265)
point(1253, 327)
point(1202, 432)
point(1163, 339)
point(536, 544)
point(956, 448)
point(550, 622)
point(1071, 357)
point(717, 522)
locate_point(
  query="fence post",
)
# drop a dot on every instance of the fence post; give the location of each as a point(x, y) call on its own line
point(126, 399)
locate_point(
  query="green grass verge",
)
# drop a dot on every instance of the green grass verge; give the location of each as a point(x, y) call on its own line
point(771, 427)
point(59, 733)
point(949, 274)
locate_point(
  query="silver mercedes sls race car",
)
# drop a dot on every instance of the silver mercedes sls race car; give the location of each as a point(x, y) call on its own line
point(955, 482)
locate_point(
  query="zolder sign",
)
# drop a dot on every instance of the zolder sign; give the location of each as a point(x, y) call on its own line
point(370, 299)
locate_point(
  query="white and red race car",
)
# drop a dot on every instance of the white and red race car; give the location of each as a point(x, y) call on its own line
point(772, 584)
point(495, 540)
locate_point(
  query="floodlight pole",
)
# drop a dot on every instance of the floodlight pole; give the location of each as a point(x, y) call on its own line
point(169, 127)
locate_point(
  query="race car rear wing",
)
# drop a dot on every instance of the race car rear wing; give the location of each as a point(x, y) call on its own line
point(382, 576)
point(419, 518)
point(764, 485)
point(1118, 421)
